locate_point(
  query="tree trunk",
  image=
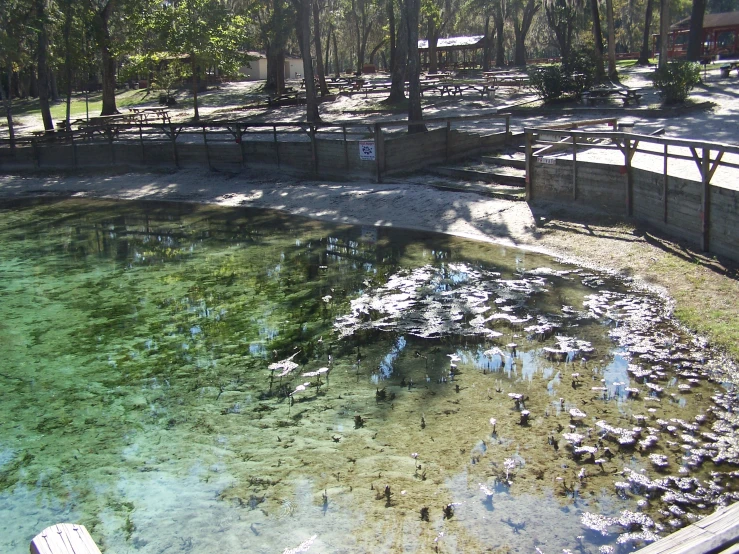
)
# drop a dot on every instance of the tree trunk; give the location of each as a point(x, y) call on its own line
point(68, 56)
point(400, 57)
point(194, 75)
point(32, 82)
point(375, 50)
point(275, 69)
point(644, 54)
point(695, 38)
point(43, 69)
point(433, 38)
point(664, 31)
point(108, 61)
point(326, 65)
point(8, 103)
point(415, 112)
point(391, 31)
point(311, 102)
point(486, 51)
point(53, 86)
point(522, 29)
point(499, 21)
point(597, 33)
point(317, 45)
point(336, 55)
point(612, 73)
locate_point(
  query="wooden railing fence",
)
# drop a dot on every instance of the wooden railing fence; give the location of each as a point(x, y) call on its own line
point(541, 143)
point(149, 139)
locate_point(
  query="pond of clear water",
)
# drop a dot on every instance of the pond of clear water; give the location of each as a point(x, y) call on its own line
point(183, 378)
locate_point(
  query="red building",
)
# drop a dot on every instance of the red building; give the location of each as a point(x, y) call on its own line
point(720, 36)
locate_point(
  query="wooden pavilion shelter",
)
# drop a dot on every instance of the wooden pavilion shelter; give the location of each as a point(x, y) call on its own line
point(448, 49)
point(720, 37)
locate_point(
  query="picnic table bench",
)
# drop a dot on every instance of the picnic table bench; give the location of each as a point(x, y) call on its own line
point(289, 96)
point(143, 115)
point(601, 94)
point(727, 67)
point(507, 80)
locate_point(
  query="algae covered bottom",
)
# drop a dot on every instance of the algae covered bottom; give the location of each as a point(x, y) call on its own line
point(183, 378)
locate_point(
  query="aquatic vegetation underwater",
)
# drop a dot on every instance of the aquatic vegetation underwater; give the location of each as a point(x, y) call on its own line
point(184, 378)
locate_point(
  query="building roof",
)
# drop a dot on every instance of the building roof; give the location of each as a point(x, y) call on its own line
point(711, 21)
point(454, 43)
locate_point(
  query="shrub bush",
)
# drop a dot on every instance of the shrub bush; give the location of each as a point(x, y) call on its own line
point(675, 81)
point(549, 82)
point(580, 71)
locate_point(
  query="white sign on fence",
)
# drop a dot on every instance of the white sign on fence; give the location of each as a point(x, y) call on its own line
point(366, 149)
point(544, 160)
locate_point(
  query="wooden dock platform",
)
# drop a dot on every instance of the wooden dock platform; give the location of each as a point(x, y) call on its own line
point(64, 538)
point(717, 533)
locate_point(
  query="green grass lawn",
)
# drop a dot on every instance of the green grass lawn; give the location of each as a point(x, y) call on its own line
point(78, 107)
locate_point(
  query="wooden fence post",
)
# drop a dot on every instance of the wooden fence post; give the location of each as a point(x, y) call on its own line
point(629, 178)
point(143, 148)
point(313, 149)
point(110, 134)
point(705, 199)
point(74, 148)
point(664, 186)
point(346, 147)
point(277, 144)
point(207, 152)
point(574, 166)
point(240, 139)
point(379, 151)
point(173, 136)
point(529, 166)
point(36, 156)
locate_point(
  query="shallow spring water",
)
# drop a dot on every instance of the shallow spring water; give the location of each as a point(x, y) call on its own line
point(461, 397)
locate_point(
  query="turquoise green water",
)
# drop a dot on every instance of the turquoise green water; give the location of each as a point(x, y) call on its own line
point(137, 397)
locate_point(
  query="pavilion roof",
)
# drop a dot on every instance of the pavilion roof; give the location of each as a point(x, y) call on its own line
point(454, 43)
point(711, 21)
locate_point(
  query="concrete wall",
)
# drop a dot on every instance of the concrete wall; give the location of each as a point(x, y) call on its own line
point(676, 213)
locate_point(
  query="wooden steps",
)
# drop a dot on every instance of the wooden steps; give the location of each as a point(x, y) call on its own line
point(64, 538)
point(717, 533)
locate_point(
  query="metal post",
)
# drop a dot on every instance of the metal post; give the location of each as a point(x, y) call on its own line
point(448, 133)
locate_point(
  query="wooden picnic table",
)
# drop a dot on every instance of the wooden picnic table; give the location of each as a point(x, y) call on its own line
point(599, 94)
point(726, 68)
point(508, 80)
point(144, 114)
point(289, 95)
